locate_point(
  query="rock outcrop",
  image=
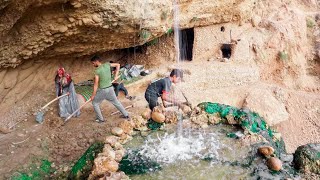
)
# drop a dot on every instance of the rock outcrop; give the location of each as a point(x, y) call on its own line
point(60, 28)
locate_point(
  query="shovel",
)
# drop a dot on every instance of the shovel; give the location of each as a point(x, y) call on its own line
point(76, 111)
point(39, 116)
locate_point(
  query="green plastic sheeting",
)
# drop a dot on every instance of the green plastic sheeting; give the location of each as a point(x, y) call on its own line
point(248, 120)
point(35, 173)
point(83, 166)
point(153, 125)
point(136, 163)
point(85, 91)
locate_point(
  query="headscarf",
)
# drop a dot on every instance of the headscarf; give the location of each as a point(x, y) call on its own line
point(61, 71)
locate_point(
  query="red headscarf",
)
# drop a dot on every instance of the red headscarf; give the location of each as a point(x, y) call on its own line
point(68, 77)
point(61, 71)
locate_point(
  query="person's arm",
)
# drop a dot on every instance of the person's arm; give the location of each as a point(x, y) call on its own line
point(165, 97)
point(117, 66)
point(95, 86)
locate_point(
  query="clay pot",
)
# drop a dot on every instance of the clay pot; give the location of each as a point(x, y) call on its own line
point(266, 150)
point(146, 114)
point(158, 117)
point(117, 131)
point(274, 164)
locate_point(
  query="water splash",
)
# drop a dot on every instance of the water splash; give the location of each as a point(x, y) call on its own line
point(187, 146)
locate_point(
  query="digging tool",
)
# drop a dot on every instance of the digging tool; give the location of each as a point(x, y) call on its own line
point(76, 111)
point(132, 105)
point(39, 116)
point(185, 97)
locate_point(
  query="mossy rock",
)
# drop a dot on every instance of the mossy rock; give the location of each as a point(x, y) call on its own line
point(307, 158)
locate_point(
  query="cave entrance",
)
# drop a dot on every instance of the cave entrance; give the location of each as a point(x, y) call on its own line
point(186, 44)
point(226, 50)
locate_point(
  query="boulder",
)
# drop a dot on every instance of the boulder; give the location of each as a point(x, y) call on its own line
point(274, 164)
point(307, 158)
point(265, 104)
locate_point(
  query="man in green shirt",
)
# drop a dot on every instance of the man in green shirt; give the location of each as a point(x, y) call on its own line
point(103, 88)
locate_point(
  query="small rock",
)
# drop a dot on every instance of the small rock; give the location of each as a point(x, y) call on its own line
point(87, 21)
point(65, 169)
point(266, 150)
point(96, 18)
point(274, 164)
point(62, 28)
point(71, 19)
point(117, 131)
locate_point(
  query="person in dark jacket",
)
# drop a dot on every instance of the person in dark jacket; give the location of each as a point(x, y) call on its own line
point(161, 88)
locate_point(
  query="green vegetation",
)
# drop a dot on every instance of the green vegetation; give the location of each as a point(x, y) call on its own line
point(145, 34)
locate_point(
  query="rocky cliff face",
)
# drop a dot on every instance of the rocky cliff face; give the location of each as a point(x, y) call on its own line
point(60, 28)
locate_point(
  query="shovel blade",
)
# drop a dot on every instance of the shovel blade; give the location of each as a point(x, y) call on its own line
point(39, 117)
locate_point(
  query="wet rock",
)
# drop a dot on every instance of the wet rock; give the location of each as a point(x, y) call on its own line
point(117, 176)
point(214, 118)
point(126, 126)
point(117, 131)
point(231, 120)
point(146, 114)
point(112, 140)
point(266, 150)
point(103, 165)
point(200, 119)
point(171, 117)
point(158, 117)
point(119, 155)
point(138, 122)
point(274, 164)
point(307, 158)
point(118, 146)
point(124, 138)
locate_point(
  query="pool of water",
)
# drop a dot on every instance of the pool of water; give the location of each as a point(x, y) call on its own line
point(189, 154)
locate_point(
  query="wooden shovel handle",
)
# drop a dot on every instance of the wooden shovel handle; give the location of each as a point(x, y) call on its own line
point(77, 110)
point(53, 101)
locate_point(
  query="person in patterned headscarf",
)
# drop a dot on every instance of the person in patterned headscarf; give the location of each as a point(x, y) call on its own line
point(64, 85)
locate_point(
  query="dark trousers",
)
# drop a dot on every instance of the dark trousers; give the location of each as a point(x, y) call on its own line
point(119, 87)
point(152, 99)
